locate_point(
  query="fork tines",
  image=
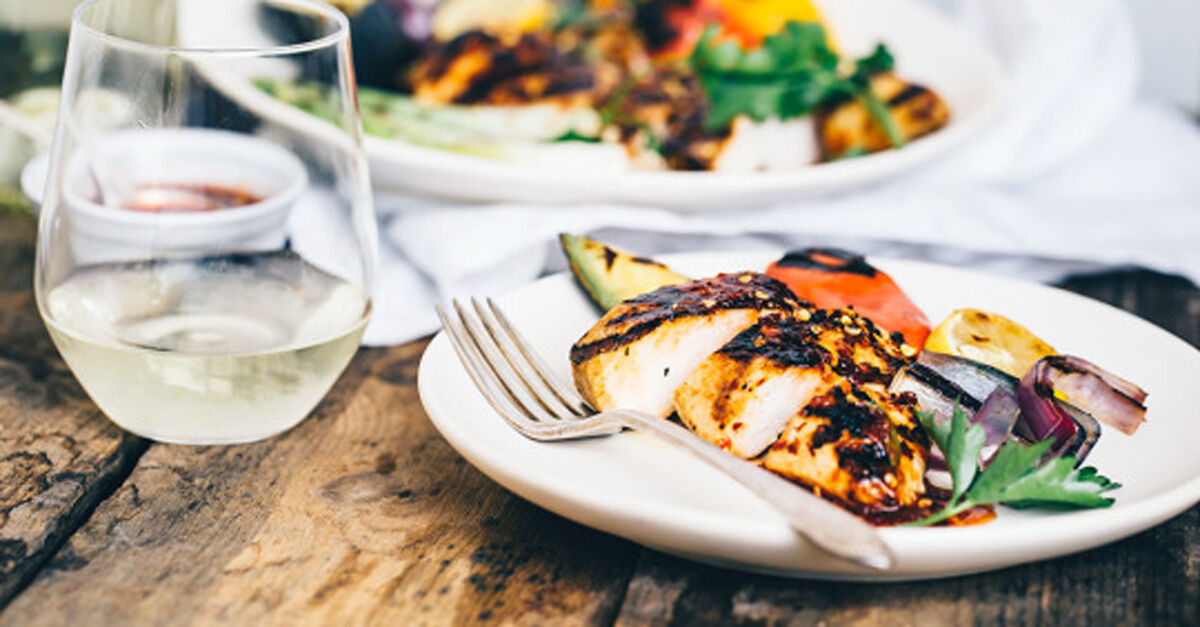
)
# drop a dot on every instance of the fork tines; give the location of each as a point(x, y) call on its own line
point(506, 369)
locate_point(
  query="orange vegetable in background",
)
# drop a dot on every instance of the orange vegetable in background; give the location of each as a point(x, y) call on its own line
point(745, 21)
point(752, 20)
point(829, 278)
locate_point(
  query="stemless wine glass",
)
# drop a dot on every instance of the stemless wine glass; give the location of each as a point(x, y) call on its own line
point(205, 255)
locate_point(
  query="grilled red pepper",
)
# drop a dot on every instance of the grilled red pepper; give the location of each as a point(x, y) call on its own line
point(830, 278)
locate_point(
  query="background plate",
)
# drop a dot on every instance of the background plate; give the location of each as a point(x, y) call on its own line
point(633, 486)
point(929, 49)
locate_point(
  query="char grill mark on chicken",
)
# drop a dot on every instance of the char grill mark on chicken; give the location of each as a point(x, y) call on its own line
point(856, 445)
point(847, 126)
point(809, 387)
point(755, 371)
point(863, 352)
point(481, 68)
point(642, 350)
point(742, 396)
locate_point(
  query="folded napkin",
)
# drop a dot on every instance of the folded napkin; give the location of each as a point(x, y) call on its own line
point(1076, 175)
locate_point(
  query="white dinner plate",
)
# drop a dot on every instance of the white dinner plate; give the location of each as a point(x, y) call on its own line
point(634, 486)
point(929, 49)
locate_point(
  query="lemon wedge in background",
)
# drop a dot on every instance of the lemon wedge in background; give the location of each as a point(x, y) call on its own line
point(455, 17)
point(988, 338)
point(755, 19)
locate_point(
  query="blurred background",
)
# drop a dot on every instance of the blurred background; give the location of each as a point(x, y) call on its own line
point(33, 39)
point(1098, 218)
point(1168, 42)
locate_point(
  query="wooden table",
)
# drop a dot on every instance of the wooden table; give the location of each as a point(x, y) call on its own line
point(362, 514)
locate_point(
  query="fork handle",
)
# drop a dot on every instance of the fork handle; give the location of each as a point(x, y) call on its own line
point(825, 524)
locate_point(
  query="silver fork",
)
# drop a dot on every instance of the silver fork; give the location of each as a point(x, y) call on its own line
point(540, 406)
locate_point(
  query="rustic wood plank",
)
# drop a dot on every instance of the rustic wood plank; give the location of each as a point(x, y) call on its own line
point(362, 514)
point(1171, 302)
point(58, 455)
point(1152, 578)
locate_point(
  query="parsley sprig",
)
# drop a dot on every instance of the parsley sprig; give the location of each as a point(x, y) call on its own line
point(788, 76)
point(1015, 476)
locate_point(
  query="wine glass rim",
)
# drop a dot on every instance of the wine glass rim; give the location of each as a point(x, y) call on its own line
point(339, 33)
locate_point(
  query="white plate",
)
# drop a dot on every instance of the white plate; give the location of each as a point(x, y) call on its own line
point(633, 486)
point(929, 49)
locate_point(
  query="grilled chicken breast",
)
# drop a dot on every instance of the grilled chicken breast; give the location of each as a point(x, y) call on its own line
point(482, 68)
point(862, 352)
point(848, 127)
point(857, 445)
point(750, 368)
point(742, 396)
point(644, 348)
point(661, 122)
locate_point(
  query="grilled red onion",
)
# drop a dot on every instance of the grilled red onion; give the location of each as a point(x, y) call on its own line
point(1110, 399)
point(998, 417)
point(1043, 416)
point(935, 393)
point(1088, 431)
point(975, 378)
point(941, 382)
point(1010, 408)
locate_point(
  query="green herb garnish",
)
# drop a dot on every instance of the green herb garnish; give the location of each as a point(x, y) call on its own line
point(574, 136)
point(1015, 477)
point(879, 61)
point(788, 76)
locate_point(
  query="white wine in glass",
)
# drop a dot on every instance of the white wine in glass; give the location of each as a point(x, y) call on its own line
point(205, 265)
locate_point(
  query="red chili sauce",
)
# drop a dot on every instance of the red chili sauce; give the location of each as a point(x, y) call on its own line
point(189, 197)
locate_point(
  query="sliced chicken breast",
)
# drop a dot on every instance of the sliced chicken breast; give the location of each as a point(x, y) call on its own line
point(643, 349)
point(856, 445)
point(862, 352)
point(742, 396)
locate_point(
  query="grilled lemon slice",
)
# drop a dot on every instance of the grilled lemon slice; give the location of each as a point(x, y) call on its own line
point(988, 338)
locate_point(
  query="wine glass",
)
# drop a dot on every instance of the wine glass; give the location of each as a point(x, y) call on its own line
point(205, 255)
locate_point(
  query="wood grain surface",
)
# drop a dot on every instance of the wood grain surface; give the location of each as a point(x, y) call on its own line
point(58, 455)
point(364, 515)
point(361, 514)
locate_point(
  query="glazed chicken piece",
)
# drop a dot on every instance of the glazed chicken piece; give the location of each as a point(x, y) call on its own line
point(819, 377)
point(863, 352)
point(480, 68)
point(857, 445)
point(848, 127)
point(751, 369)
point(644, 348)
point(662, 118)
point(742, 396)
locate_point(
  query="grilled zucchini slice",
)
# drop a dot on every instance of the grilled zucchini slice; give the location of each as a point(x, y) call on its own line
point(611, 275)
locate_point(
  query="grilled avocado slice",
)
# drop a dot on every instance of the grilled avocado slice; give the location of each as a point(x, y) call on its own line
point(611, 275)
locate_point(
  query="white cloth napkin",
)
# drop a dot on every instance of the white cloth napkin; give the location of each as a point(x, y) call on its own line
point(1076, 175)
